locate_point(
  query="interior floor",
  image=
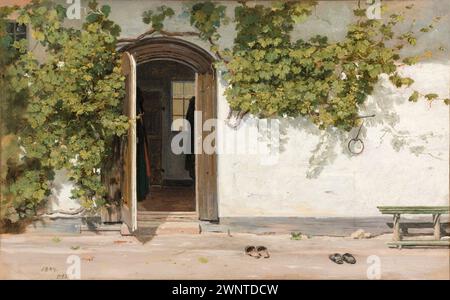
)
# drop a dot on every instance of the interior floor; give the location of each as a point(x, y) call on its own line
point(169, 199)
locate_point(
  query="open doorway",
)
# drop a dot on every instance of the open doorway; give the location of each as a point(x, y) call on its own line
point(165, 180)
point(168, 69)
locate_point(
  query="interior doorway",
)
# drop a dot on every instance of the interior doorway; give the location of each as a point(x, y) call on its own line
point(166, 89)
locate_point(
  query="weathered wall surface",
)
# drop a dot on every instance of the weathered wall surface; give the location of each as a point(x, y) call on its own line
point(406, 156)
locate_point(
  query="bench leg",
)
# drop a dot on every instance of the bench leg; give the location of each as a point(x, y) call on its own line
point(404, 230)
point(397, 235)
point(437, 226)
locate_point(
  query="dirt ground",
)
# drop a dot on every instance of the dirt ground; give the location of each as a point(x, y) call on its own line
point(213, 256)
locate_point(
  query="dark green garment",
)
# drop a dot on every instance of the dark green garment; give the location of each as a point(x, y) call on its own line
point(189, 164)
point(141, 170)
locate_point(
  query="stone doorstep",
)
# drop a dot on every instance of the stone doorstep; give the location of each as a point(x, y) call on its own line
point(124, 230)
point(179, 228)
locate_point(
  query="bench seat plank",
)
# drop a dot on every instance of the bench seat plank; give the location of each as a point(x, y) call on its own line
point(406, 225)
point(413, 209)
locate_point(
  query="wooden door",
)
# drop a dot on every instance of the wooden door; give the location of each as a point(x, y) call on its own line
point(153, 127)
point(129, 201)
point(206, 164)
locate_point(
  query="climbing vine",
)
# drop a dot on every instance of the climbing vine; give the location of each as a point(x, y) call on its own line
point(73, 104)
point(270, 74)
point(64, 112)
point(157, 18)
point(26, 173)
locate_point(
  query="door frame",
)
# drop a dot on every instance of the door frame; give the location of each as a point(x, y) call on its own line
point(181, 51)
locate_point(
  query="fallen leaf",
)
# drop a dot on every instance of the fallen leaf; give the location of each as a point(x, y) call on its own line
point(203, 260)
point(120, 242)
point(87, 257)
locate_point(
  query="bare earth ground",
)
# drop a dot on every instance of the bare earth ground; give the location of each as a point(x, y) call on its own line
point(211, 256)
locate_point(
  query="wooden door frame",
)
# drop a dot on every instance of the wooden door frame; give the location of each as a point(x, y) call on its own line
point(181, 51)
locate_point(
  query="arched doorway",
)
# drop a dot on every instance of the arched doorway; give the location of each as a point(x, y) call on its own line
point(149, 52)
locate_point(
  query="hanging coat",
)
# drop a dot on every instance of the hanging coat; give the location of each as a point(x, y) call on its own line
point(190, 158)
point(142, 176)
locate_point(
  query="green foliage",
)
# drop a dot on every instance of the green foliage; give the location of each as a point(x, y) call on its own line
point(156, 19)
point(269, 74)
point(6, 51)
point(207, 18)
point(414, 97)
point(72, 106)
point(296, 236)
point(65, 112)
point(8, 96)
point(431, 96)
point(12, 108)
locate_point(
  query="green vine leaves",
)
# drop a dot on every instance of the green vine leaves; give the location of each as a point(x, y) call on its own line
point(73, 109)
point(207, 18)
point(71, 102)
point(270, 75)
point(325, 82)
point(156, 19)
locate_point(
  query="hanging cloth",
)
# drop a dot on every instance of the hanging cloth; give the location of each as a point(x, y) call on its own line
point(142, 168)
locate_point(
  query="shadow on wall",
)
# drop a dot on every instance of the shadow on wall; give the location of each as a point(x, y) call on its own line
point(333, 142)
point(383, 104)
point(61, 200)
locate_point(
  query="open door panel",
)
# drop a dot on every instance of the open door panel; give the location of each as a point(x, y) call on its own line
point(129, 201)
point(206, 164)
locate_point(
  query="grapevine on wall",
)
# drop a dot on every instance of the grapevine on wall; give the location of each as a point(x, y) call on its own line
point(68, 106)
point(269, 74)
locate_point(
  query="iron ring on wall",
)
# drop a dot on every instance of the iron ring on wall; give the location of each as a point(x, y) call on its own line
point(351, 146)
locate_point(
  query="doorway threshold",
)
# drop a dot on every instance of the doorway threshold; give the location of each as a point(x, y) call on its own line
point(167, 222)
point(167, 216)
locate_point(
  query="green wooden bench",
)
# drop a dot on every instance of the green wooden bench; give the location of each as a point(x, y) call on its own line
point(405, 226)
point(397, 211)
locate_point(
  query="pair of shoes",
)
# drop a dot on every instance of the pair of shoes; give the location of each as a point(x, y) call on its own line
point(257, 252)
point(339, 259)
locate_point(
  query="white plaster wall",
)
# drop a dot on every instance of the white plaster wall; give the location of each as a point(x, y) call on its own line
point(384, 174)
point(60, 200)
